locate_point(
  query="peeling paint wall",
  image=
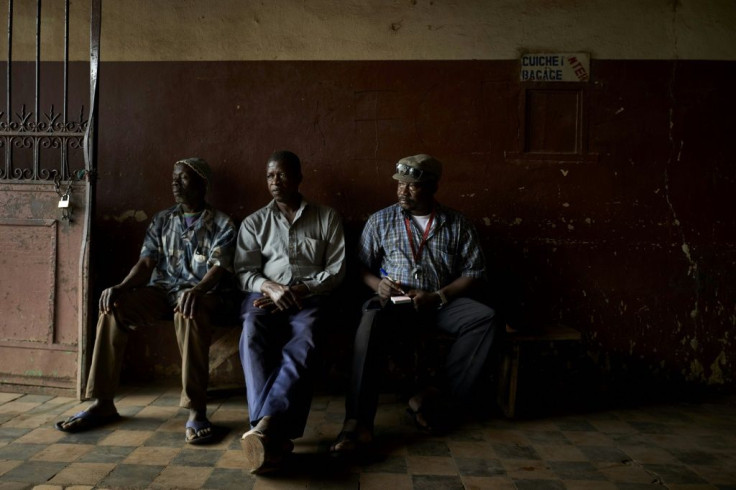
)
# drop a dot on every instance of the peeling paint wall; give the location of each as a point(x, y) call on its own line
point(635, 246)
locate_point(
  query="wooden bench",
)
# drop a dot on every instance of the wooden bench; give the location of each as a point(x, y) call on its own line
point(226, 372)
point(153, 354)
point(508, 380)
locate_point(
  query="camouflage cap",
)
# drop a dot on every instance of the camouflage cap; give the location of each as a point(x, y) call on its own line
point(418, 168)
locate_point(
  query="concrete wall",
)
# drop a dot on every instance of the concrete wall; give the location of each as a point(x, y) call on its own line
point(225, 30)
point(633, 244)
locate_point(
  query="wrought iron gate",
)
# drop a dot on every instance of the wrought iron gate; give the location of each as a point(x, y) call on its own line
point(47, 180)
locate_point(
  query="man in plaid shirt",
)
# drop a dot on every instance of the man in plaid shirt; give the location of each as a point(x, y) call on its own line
point(423, 260)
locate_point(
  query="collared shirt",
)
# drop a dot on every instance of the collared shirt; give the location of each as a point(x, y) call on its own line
point(452, 249)
point(184, 254)
point(310, 250)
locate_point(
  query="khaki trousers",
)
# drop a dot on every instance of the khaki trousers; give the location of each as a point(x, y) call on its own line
point(142, 308)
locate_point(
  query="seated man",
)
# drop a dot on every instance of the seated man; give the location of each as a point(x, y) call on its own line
point(430, 255)
point(289, 255)
point(187, 250)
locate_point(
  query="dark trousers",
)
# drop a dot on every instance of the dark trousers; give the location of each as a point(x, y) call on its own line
point(473, 325)
point(277, 353)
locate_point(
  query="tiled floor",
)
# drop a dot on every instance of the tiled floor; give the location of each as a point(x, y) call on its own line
point(674, 446)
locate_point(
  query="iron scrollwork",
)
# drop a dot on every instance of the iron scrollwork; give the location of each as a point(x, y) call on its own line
point(27, 133)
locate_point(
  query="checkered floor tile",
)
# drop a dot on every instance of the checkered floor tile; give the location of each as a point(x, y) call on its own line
point(674, 446)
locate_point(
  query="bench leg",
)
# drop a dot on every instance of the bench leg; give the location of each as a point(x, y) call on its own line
point(508, 381)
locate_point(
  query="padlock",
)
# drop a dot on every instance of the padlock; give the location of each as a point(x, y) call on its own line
point(64, 201)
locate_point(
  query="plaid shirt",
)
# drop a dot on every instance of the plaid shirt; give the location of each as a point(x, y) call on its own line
point(452, 249)
point(184, 254)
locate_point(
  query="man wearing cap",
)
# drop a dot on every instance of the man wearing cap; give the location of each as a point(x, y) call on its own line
point(186, 253)
point(429, 253)
point(290, 254)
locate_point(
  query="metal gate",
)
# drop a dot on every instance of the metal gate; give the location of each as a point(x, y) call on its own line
point(47, 182)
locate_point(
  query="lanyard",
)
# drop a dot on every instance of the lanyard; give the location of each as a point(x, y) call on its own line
point(418, 252)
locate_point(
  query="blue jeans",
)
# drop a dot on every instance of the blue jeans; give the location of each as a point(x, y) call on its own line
point(277, 351)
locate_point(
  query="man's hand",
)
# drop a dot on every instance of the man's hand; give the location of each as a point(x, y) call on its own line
point(108, 299)
point(388, 288)
point(188, 302)
point(264, 303)
point(281, 297)
point(137, 277)
point(424, 300)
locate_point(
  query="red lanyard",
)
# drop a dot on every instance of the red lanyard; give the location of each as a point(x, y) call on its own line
point(417, 253)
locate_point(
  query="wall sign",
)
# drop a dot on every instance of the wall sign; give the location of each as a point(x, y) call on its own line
point(557, 67)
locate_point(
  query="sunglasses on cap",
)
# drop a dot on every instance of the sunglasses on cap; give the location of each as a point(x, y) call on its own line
point(404, 169)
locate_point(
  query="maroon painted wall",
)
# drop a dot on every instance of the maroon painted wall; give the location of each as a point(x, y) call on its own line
point(635, 247)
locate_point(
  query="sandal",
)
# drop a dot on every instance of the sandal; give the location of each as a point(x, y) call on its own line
point(420, 418)
point(85, 420)
point(424, 409)
point(351, 441)
point(199, 432)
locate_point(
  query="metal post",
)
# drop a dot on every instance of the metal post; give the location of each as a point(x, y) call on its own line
point(8, 108)
point(37, 111)
point(90, 159)
point(66, 59)
point(65, 142)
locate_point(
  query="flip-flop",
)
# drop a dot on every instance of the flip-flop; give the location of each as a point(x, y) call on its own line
point(194, 429)
point(86, 420)
point(414, 414)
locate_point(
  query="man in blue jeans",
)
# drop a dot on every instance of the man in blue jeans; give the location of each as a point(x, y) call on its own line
point(424, 261)
point(289, 255)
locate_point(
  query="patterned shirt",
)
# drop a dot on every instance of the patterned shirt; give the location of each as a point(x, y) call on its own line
point(310, 250)
point(452, 249)
point(184, 254)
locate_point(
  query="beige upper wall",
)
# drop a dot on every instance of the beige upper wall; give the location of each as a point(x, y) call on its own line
point(194, 30)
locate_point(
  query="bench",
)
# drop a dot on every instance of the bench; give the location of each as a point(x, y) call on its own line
point(152, 353)
point(226, 372)
point(508, 380)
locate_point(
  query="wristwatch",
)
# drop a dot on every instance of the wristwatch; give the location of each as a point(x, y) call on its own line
point(443, 298)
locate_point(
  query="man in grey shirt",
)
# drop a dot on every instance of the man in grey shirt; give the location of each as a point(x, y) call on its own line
point(289, 255)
